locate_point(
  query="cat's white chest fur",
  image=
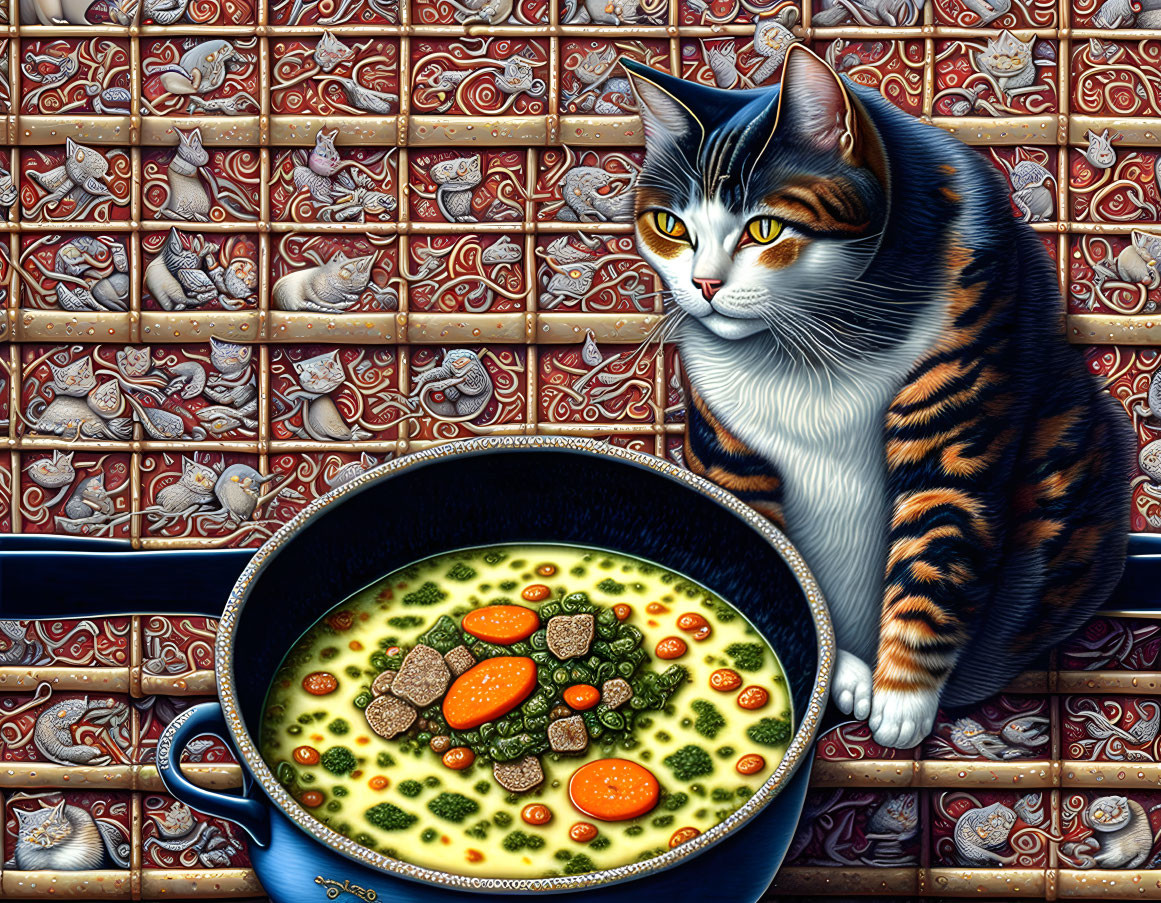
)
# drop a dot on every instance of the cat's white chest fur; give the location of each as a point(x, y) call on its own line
point(824, 435)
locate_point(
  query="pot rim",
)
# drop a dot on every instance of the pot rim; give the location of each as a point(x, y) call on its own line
point(796, 751)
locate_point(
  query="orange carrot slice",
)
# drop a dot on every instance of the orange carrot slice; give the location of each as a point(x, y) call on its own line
point(613, 789)
point(502, 624)
point(582, 696)
point(488, 690)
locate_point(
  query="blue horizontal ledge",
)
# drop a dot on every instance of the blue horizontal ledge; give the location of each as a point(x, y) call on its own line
point(74, 577)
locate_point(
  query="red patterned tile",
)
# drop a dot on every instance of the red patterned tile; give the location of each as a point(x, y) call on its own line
point(177, 645)
point(329, 13)
point(201, 12)
point(335, 76)
point(1113, 644)
point(76, 492)
point(591, 80)
point(986, 829)
point(1111, 273)
point(504, 77)
point(71, 76)
point(217, 496)
point(344, 274)
point(308, 185)
point(587, 185)
point(900, 14)
point(858, 828)
point(1114, 185)
point(619, 387)
point(734, 12)
point(65, 728)
point(479, 12)
point(56, 643)
point(1111, 728)
point(1021, 14)
point(893, 68)
point(593, 274)
point(189, 270)
point(450, 186)
point(227, 183)
point(996, 76)
point(1091, 819)
point(74, 272)
point(1003, 729)
point(736, 63)
point(1115, 79)
point(335, 393)
point(1032, 181)
point(112, 813)
point(176, 837)
point(477, 389)
point(50, 192)
point(199, 76)
point(466, 274)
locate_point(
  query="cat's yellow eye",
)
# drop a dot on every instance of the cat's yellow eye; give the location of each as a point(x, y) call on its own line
point(763, 229)
point(668, 224)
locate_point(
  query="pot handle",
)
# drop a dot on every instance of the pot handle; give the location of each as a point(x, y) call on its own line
point(248, 813)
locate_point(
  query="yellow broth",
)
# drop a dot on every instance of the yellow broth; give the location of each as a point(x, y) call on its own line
point(350, 644)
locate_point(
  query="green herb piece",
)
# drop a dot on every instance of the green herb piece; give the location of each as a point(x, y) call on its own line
point(769, 731)
point(709, 720)
point(689, 762)
point(338, 760)
point(578, 865)
point(389, 817)
point(747, 656)
point(460, 572)
point(453, 807)
point(428, 594)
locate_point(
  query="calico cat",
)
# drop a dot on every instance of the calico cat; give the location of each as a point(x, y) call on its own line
point(66, 838)
point(874, 362)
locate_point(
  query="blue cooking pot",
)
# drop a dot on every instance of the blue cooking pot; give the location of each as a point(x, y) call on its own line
point(511, 490)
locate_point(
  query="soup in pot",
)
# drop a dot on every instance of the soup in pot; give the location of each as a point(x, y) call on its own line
point(525, 711)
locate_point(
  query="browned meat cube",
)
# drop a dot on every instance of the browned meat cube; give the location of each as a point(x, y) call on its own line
point(519, 776)
point(568, 735)
point(459, 660)
point(423, 678)
point(570, 636)
point(616, 692)
point(389, 716)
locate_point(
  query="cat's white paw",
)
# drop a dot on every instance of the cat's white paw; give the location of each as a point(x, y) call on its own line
point(852, 685)
point(901, 719)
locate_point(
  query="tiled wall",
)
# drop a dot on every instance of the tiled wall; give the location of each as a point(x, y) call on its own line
point(484, 174)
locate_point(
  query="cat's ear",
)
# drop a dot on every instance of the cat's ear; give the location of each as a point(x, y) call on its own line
point(665, 116)
point(814, 104)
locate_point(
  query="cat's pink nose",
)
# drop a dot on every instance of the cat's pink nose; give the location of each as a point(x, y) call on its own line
point(709, 287)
